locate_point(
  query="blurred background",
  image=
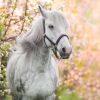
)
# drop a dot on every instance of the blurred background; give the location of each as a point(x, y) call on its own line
point(80, 75)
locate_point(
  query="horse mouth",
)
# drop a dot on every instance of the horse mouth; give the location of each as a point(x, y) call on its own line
point(61, 55)
point(64, 56)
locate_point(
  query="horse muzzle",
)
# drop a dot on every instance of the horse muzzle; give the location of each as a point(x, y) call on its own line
point(65, 53)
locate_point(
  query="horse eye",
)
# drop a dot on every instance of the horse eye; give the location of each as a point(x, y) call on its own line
point(51, 26)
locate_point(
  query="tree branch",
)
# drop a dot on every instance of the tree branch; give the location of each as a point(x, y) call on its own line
point(25, 13)
point(13, 37)
point(15, 5)
point(8, 39)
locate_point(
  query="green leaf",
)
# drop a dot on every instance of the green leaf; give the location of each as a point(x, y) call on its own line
point(65, 94)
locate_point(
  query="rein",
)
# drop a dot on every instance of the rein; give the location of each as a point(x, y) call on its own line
point(53, 43)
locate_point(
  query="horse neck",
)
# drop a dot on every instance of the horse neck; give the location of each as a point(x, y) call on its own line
point(40, 57)
point(42, 53)
point(33, 44)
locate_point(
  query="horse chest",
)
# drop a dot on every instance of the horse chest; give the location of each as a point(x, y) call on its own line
point(36, 79)
point(44, 80)
point(42, 84)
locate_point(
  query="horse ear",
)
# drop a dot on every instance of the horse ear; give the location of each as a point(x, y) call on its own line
point(42, 11)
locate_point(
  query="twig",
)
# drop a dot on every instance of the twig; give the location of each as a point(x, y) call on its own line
point(8, 39)
point(21, 19)
point(25, 13)
point(11, 19)
point(17, 21)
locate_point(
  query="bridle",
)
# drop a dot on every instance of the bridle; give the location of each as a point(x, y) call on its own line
point(53, 43)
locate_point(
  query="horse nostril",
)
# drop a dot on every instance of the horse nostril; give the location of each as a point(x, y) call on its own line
point(68, 50)
point(64, 50)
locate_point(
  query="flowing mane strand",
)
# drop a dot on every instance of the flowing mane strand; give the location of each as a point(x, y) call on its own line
point(34, 36)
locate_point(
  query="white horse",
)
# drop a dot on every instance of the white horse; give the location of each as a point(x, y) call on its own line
point(32, 73)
